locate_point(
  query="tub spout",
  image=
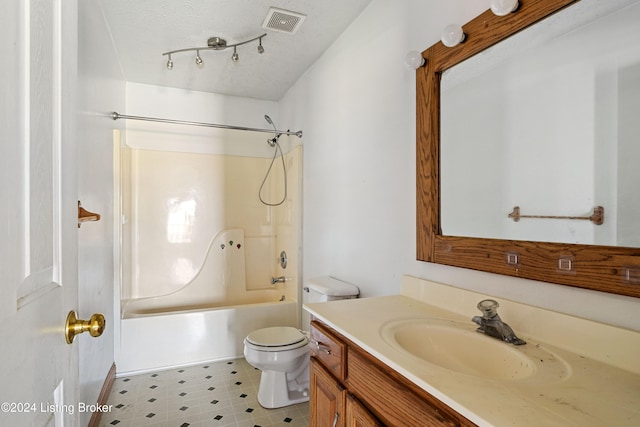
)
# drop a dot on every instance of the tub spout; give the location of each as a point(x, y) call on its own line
point(280, 279)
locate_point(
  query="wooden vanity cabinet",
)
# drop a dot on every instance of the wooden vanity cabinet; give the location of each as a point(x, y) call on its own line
point(327, 399)
point(351, 388)
point(356, 415)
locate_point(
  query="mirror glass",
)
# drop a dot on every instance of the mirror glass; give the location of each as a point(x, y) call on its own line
point(547, 121)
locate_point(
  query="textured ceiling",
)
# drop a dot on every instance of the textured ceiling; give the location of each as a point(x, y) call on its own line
point(143, 29)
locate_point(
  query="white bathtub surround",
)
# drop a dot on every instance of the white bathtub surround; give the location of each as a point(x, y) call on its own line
point(207, 318)
point(600, 384)
point(220, 282)
point(175, 203)
point(181, 185)
point(194, 336)
point(198, 249)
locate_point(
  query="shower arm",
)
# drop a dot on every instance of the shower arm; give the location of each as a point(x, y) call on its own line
point(117, 116)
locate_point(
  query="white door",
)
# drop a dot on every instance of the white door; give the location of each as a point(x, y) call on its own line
point(38, 204)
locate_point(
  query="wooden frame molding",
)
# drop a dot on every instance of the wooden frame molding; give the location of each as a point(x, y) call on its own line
point(601, 268)
point(103, 397)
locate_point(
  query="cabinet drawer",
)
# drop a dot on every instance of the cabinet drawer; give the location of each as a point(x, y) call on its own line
point(389, 399)
point(328, 349)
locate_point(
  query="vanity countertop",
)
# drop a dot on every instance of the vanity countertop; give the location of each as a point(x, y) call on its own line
point(600, 387)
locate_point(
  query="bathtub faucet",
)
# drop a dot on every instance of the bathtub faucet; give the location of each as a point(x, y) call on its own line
point(280, 279)
point(491, 324)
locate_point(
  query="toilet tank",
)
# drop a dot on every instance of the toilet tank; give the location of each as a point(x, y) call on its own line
point(328, 288)
point(325, 288)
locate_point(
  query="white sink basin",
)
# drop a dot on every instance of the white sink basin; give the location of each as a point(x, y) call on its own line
point(459, 348)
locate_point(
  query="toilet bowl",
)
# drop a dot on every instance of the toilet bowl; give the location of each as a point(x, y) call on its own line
point(282, 352)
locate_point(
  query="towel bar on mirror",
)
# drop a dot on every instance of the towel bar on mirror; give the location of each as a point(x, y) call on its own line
point(597, 217)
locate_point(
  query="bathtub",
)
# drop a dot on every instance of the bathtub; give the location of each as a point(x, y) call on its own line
point(179, 303)
point(186, 335)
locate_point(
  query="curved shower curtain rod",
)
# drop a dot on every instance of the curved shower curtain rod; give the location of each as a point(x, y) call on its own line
point(116, 116)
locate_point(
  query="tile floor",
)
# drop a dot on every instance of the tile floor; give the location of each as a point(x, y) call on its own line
point(211, 394)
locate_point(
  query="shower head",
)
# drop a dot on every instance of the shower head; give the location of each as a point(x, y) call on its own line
point(268, 119)
point(272, 142)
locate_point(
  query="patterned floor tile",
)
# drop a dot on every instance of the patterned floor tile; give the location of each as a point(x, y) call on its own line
point(220, 394)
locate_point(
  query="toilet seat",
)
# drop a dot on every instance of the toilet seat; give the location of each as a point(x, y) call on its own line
point(278, 338)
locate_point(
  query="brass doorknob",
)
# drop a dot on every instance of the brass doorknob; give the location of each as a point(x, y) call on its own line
point(74, 326)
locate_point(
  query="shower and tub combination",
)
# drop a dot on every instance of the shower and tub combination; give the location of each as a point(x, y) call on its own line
point(209, 235)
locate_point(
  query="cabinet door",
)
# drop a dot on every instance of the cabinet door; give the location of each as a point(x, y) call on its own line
point(358, 416)
point(327, 399)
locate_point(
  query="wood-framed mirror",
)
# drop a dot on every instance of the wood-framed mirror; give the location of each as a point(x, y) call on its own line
point(611, 269)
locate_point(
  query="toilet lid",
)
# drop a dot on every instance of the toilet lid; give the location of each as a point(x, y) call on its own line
point(277, 336)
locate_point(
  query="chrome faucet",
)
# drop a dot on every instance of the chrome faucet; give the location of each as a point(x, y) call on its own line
point(491, 324)
point(280, 279)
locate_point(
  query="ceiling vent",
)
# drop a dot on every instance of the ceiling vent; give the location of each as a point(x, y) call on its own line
point(283, 21)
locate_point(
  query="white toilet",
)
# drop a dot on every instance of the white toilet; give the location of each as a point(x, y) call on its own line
point(282, 353)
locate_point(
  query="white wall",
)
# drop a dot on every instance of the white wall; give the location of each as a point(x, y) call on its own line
point(101, 90)
point(356, 106)
point(194, 106)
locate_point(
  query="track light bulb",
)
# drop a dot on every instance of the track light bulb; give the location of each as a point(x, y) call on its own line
point(235, 56)
point(170, 63)
point(199, 61)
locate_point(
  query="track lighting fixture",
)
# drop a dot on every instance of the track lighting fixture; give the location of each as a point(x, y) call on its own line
point(215, 43)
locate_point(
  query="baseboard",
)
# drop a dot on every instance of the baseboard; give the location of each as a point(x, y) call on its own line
point(103, 396)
